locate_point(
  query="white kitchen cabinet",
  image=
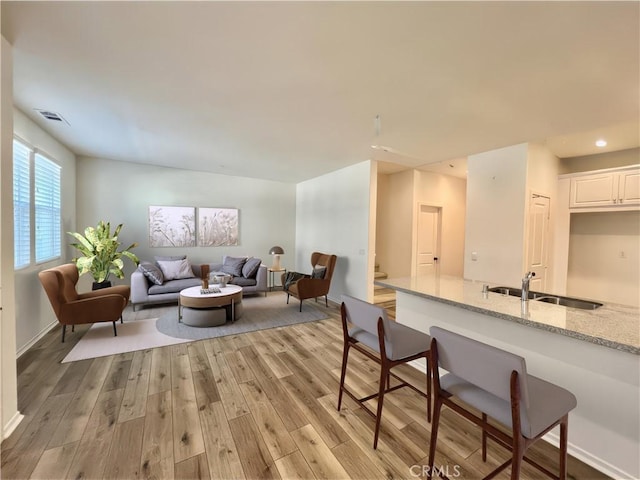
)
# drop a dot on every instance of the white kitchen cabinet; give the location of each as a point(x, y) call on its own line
point(607, 188)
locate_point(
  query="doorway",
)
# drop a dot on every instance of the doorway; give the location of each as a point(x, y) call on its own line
point(427, 240)
point(538, 241)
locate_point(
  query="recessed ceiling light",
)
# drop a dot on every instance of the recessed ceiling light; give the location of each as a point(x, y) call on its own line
point(601, 143)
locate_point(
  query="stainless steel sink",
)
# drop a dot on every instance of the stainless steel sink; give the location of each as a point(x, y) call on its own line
point(548, 298)
point(569, 302)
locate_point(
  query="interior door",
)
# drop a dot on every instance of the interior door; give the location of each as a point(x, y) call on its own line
point(427, 241)
point(538, 241)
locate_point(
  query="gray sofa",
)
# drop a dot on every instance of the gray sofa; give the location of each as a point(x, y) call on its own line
point(148, 289)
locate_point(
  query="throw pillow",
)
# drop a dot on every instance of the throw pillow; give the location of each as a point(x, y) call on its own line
point(176, 269)
point(169, 258)
point(233, 265)
point(251, 267)
point(319, 271)
point(152, 272)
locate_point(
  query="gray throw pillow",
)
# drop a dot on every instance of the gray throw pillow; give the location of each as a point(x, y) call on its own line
point(176, 269)
point(251, 267)
point(319, 272)
point(169, 258)
point(233, 265)
point(152, 272)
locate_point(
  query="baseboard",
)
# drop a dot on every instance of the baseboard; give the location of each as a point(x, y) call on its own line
point(33, 341)
point(573, 450)
point(588, 458)
point(11, 425)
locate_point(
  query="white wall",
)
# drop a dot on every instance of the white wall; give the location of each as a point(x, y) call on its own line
point(449, 193)
point(394, 233)
point(32, 305)
point(542, 179)
point(121, 192)
point(9, 415)
point(333, 216)
point(398, 197)
point(494, 229)
point(604, 257)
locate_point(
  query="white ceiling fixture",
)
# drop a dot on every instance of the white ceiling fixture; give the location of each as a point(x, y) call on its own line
point(52, 116)
point(601, 143)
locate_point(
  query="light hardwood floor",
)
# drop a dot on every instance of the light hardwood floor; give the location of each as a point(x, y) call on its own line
point(256, 405)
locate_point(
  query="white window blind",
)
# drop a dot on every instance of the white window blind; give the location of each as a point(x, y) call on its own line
point(21, 205)
point(47, 208)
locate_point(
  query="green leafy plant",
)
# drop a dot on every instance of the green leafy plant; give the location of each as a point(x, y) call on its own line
point(100, 255)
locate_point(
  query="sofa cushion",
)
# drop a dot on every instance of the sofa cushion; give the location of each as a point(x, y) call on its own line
point(174, 286)
point(175, 269)
point(233, 265)
point(152, 272)
point(250, 268)
point(244, 282)
point(319, 271)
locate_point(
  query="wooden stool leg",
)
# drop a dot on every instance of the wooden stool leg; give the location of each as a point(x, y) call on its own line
point(518, 454)
point(343, 374)
point(484, 439)
point(564, 428)
point(384, 371)
point(437, 405)
point(428, 387)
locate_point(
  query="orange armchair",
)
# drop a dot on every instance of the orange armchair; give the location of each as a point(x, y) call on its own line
point(72, 308)
point(308, 287)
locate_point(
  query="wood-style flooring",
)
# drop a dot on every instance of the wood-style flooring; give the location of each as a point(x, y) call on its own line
point(256, 405)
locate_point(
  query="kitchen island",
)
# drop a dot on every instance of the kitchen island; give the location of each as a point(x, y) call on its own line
point(593, 353)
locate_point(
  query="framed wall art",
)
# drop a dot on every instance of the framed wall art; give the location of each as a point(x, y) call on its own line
point(172, 226)
point(218, 227)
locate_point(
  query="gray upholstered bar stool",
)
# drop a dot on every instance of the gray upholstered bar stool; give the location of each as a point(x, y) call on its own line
point(387, 343)
point(496, 382)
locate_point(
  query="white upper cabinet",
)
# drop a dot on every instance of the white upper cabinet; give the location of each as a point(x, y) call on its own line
point(610, 188)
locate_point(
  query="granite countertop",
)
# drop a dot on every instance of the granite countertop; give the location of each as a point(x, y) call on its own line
point(612, 325)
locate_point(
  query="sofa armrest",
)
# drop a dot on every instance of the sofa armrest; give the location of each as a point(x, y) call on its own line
point(261, 279)
point(139, 288)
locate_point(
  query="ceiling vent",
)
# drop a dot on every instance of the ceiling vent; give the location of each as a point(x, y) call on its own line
point(52, 116)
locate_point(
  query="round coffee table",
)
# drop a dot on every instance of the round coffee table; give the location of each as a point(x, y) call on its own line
point(209, 309)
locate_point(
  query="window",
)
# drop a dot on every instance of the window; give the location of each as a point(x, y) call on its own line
point(47, 208)
point(21, 205)
point(36, 206)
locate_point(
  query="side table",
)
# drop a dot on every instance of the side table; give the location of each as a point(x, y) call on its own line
point(271, 270)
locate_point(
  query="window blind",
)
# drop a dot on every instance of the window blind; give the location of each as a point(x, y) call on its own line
point(21, 205)
point(47, 208)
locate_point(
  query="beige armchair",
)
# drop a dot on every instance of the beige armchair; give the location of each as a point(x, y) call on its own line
point(73, 308)
point(309, 287)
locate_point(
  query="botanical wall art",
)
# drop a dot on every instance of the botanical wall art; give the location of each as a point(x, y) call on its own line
point(218, 227)
point(172, 226)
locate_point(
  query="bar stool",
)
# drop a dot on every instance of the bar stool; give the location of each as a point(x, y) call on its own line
point(496, 383)
point(389, 344)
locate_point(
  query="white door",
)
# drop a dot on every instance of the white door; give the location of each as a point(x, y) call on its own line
point(538, 241)
point(428, 235)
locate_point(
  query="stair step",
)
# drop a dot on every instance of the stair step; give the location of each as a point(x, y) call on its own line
point(379, 275)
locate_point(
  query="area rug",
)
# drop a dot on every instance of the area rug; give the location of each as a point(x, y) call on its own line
point(260, 313)
point(99, 340)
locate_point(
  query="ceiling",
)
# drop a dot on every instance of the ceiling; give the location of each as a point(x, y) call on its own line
point(290, 90)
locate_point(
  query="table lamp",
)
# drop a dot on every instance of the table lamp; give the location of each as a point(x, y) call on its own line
point(276, 252)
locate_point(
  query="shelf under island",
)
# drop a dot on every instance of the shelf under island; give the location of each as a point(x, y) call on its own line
point(593, 353)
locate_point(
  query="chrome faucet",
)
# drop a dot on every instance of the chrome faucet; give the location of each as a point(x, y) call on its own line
point(525, 286)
